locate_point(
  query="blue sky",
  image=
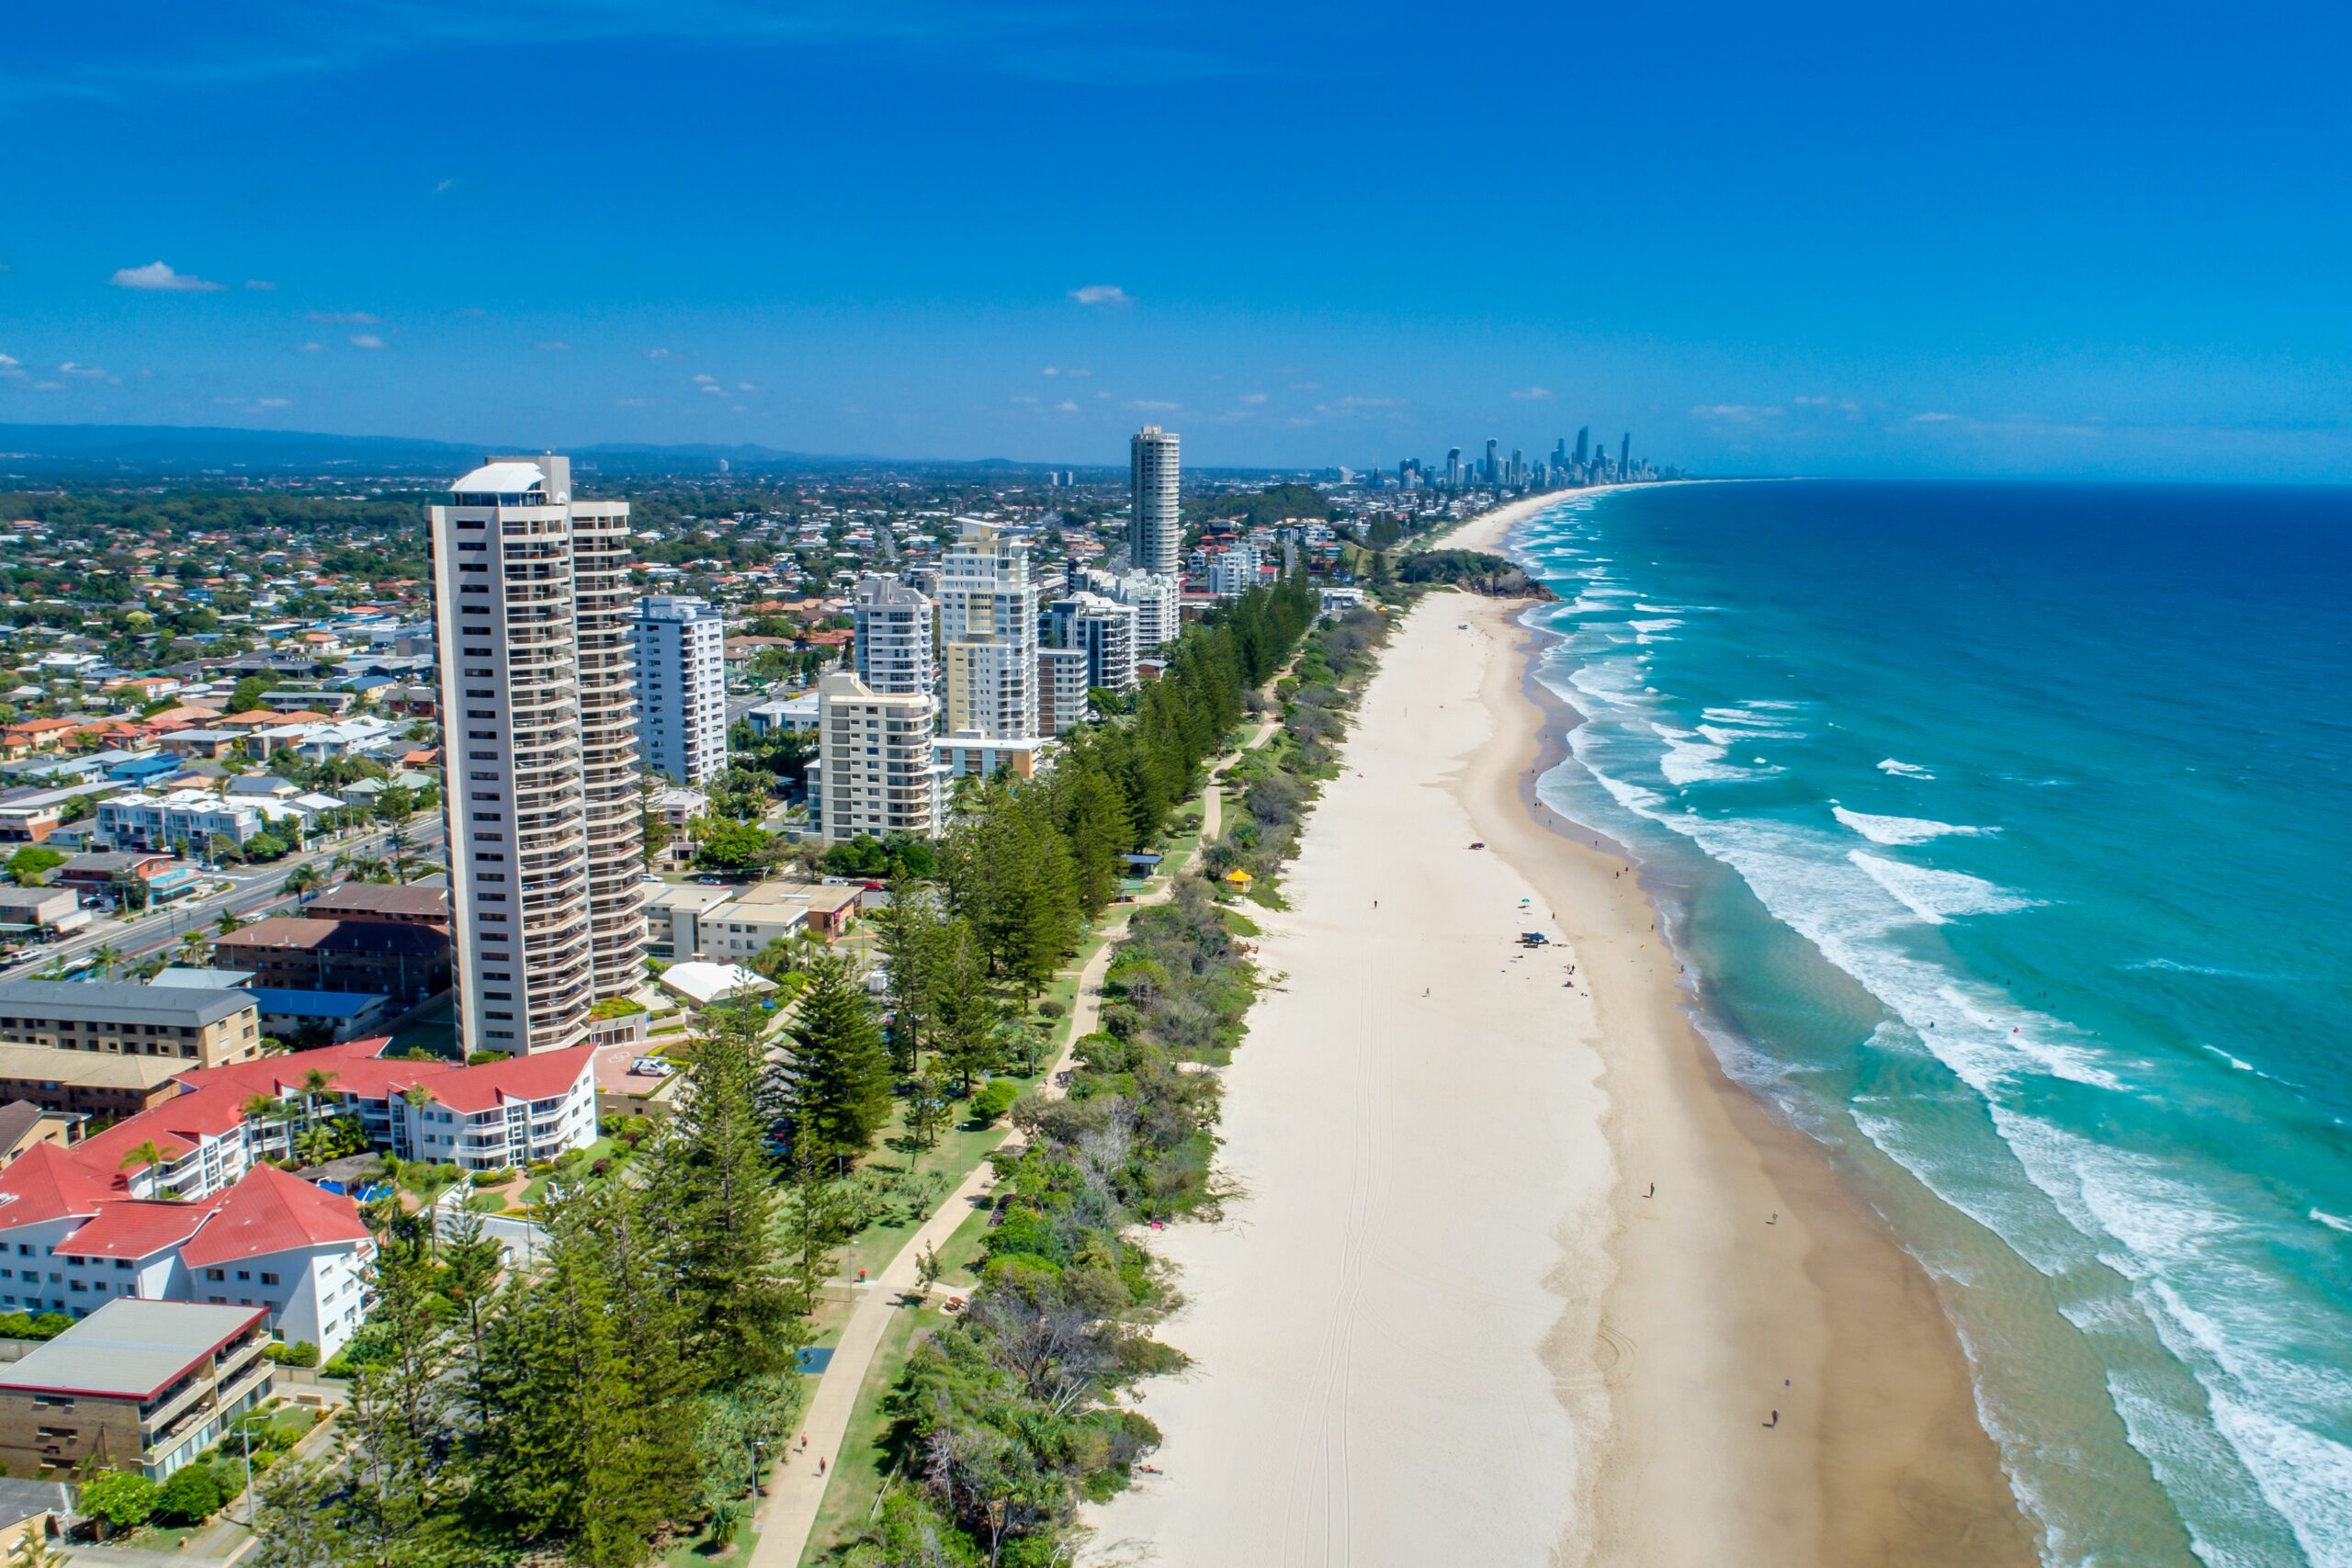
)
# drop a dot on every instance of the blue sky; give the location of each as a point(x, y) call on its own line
point(2008, 239)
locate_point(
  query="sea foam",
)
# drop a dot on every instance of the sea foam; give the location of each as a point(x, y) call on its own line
point(1905, 770)
point(1937, 897)
point(1901, 829)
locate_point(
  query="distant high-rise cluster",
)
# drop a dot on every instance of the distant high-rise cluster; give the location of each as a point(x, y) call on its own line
point(1588, 465)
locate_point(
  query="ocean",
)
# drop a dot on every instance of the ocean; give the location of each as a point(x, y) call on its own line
point(2005, 828)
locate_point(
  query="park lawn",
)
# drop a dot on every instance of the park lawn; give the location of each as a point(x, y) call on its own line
point(536, 1188)
point(696, 1551)
point(855, 1485)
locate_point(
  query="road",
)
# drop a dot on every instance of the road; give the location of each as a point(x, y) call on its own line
point(248, 893)
point(796, 1490)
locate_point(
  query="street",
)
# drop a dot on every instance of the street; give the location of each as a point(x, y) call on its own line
point(253, 891)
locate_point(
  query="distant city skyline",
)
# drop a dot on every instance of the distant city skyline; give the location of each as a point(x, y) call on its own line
point(1818, 242)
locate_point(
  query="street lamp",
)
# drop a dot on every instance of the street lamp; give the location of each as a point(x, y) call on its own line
point(758, 1450)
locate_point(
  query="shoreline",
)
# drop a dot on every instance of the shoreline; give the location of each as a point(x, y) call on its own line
point(1885, 1460)
point(1442, 1284)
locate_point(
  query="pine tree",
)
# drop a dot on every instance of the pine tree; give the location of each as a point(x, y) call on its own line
point(964, 1005)
point(839, 1071)
point(714, 1199)
point(1095, 821)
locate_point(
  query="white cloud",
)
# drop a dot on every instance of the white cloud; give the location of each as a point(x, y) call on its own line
point(716, 391)
point(1804, 402)
point(1931, 417)
point(365, 340)
point(555, 346)
point(1102, 294)
point(261, 285)
point(1152, 405)
point(269, 402)
point(11, 367)
point(1253, 397)
point(344, 318)
point(745, 387)
point(1534, 394)
point(87, 372)
point(443, 186)
point(661, 354)
point(310, 349)
point(1065, 406)
point(1059, 370)
point(705, 380)
point(156, 276)
point(1736, 414)
point(1031, 402)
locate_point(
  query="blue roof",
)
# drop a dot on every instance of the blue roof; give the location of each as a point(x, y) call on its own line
point(146, 767)
point(312, 1004)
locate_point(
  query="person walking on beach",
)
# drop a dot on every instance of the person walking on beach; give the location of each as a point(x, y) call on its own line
point(1773, 1422)
point(1653, 1191)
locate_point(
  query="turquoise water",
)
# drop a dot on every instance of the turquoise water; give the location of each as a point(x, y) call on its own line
point(2007, 826)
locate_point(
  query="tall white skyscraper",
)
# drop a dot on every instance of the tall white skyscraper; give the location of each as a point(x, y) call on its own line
point(1155, 527)
point(531, 626)
point(681, 646)
point(988, 633)
point(893, 637)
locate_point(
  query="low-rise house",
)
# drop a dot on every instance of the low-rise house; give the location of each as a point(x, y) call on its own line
point(140, 1384)
point(36, 908)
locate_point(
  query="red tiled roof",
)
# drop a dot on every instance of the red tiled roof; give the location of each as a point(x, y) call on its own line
point(177, 1127)
point(542, 1077)
point(268, 1210)
point(357, 1067)
point(48, 1183)
point(129, 1228)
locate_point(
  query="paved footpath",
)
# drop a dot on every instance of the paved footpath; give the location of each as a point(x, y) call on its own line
point(796, 1489)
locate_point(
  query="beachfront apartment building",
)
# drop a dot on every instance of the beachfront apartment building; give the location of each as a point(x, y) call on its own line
point(987, 630)
point(893, 636)
point(875, 773)
point(680, 645)
point(1158, 601)
point(1061, 689)
point(531, 623)
point(1155, 522)
point(1104, 630)
point(1233, 571)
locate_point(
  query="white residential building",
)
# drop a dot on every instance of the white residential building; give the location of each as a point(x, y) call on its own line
point(531, 612)
point(191, 817)
point(988, 629)
point(1158, 601)
point(893, 630)
point(874, 771)
point(1105, 630)
point(1234, 571)
point(1155, 526)
point(1061, 689)
point(680, 645)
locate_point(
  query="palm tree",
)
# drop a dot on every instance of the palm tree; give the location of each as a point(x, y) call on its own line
point(300, 880)
point(263, 1107)
point(229, 921)
point(104, 958)
point(149, 1157)
point(314, 1084)
point(192, 947)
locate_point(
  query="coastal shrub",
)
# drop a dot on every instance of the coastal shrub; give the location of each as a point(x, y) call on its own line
point(189, 1496)
point(499, 1177)
point(989, 1105)
point(301, 1353)
point(122, 1498)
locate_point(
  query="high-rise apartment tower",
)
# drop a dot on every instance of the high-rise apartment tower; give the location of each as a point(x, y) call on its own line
point(1155, 527)
point(681, 648)
point(531, 611)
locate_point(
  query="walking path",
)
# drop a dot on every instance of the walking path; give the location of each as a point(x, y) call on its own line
point(796, 1490)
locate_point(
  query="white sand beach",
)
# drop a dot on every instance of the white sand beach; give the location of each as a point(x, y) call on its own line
point(1446, 1323)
